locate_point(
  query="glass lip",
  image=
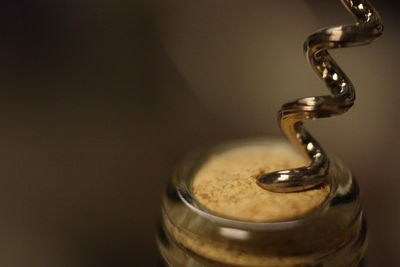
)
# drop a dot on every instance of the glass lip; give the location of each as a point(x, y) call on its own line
point(185, 194)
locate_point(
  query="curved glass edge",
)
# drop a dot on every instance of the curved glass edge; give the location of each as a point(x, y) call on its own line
point(175, 254)
point(322, 230)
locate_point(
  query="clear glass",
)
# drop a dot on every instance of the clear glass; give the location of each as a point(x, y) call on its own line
point(334, 234)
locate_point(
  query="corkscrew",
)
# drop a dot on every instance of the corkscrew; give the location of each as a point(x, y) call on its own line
point(367, 28)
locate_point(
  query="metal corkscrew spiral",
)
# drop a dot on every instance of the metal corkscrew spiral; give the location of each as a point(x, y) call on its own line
point(367, 28)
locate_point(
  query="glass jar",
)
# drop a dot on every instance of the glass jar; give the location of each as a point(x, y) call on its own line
point(332, 234)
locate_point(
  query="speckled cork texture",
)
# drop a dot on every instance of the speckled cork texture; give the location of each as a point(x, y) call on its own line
point(226, 185)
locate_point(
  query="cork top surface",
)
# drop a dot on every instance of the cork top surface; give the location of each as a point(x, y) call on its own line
point(226, 184)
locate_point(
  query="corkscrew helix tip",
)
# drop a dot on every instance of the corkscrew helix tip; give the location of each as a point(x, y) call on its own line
point(367, 28)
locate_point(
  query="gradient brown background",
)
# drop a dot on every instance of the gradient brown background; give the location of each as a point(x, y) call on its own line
point(99, 100)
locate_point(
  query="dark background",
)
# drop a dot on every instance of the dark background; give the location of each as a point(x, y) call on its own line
point(100, 99)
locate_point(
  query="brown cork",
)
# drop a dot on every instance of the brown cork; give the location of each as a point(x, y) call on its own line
point(226, 185)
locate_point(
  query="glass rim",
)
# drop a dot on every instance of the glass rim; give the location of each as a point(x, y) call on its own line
point(184, 180)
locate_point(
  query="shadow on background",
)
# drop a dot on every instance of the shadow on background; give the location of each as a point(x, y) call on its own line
point(101, 98)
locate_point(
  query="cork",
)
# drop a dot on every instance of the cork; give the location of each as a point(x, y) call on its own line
point(226, 184)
